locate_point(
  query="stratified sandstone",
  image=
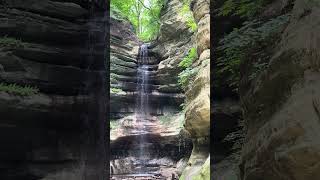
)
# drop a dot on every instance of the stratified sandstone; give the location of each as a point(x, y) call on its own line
point(59, 133)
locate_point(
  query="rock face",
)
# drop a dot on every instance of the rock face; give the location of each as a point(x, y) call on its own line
point(124, 54)
point(124, 47)
point(173, 44)
point(58, 133)
point(227, 124)
point(281, 106)
point(158, 148)
point(197, 121)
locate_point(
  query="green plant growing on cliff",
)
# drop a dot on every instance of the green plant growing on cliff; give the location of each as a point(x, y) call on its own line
point(186, 64)
point(188, 60)
point(10, 42)
point(188, 15)
point(18, 90)
point(116, 90)
point(250, 40)
point(243, 8)
point(186, 76)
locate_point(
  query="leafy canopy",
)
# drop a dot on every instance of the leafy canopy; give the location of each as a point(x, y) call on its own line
point(143, 14)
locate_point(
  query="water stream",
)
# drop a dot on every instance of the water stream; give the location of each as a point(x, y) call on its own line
point(142, 105)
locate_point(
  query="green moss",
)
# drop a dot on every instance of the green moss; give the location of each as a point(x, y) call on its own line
point(116, 90)
point(10, 42)
point(182, 177)
point(204, 172)
point(18, 90)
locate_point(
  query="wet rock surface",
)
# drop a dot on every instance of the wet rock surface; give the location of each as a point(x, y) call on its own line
point(141, 146)
point(50, 135)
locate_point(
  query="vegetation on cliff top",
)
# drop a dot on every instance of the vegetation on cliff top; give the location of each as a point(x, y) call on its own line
point(143, 14)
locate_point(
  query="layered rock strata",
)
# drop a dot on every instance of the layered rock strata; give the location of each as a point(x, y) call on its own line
point(165, 147)
point(58, 133)
point(197, 121)
point(124, 54)
point(281, 105)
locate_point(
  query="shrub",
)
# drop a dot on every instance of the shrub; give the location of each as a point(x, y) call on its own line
point(18, 90)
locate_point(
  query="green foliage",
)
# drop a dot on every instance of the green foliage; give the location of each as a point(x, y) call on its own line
point(204, 172)
point(18, 90)
point(143, 14)
point(188, 15)
point(243, 8)
point(188, 72)
point(254, 36)
point(188, 60)
point(116, 90)
point(10, 42)
point(186, 76)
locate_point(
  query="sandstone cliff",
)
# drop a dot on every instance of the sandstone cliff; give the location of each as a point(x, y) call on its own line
point(281, 106)
point(278, 89)
point(58, 47)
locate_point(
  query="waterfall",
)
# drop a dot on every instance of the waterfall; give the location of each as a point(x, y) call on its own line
point(142, 103)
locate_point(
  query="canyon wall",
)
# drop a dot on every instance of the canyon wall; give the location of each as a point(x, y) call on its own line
point(279, 100)
point(197, 112)
point(165, 147)
point(57, 47)
point(281, 105)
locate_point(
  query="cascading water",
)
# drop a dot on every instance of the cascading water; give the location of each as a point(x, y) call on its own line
point(142, 104)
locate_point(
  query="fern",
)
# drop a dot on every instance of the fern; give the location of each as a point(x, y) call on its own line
point(237, 45)
point(188, 60)
point(188, 15)
point(18, 90)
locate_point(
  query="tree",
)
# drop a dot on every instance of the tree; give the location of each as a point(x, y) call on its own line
point(143, 14)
